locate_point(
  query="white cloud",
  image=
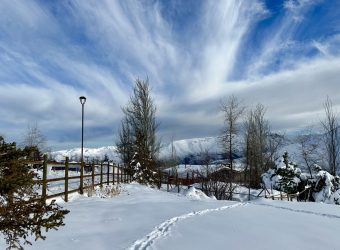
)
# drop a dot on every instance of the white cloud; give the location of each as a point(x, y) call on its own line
point(45, 67)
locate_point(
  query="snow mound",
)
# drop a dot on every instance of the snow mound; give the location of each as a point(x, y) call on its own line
point(195, 194)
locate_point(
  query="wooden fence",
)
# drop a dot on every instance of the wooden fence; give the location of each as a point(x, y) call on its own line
point(118, 175)
point(172, 180)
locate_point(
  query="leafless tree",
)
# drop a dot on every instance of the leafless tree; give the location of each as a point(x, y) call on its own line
point(232, 110)
point(173, 161)
point(214, 181)
point(261, 145)
point(33, 137)
point(331, 138)
point(309, 149)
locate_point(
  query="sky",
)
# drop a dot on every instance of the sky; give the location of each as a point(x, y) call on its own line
point(284, 54)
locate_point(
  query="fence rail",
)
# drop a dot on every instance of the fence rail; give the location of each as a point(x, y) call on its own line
point(118, 174)
point(173, 180)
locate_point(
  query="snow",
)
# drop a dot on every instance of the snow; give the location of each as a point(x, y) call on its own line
point(192, 146)
point(326, 192)
point(183, 170)
point(182, 148)
point(90, 153)
point(195, 194)
point(141, 217)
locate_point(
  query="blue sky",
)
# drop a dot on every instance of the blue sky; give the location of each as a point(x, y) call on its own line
point(283, 54)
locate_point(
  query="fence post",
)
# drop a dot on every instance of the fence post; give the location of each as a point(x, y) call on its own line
point(271, 188)
point(130, 173)
point(167, 183)
point(44, 183)
point(108, 173)
point(93, 173)
point(121, 174)
point(188, 180)
point(126, 175)
point(66, 179)
point(101, 174)
point(118, 181)
point(177, 183)
point(249, 192)
point(160, 179)
point(113, 173)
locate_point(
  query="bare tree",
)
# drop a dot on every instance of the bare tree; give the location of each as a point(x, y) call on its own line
point(139, 127)
point(331, 129)
point(173, 160)
point(308, 147)
point(232, 110)
point(33, 137)
point(260, 145)
point(214, 181)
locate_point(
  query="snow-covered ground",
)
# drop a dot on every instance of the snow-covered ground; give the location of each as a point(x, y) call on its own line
point(146, 218)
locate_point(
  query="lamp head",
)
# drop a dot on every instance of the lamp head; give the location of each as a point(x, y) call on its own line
point(82, 99)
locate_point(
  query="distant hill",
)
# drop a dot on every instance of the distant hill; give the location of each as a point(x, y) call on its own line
point(188, 151)
point(183, 149)
point(89, 154)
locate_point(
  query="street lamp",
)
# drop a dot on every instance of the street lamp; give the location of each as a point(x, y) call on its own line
point(82, 101)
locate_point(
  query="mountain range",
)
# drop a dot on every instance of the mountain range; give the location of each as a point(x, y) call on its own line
point(187, 151)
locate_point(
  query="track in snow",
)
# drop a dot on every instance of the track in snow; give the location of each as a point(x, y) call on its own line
point(163, 229)
point(301, 211)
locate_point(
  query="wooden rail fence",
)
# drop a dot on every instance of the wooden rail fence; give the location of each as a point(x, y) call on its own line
point(119, 174)
point(173, 180)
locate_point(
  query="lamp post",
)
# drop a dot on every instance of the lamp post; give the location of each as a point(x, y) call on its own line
point(82, 101)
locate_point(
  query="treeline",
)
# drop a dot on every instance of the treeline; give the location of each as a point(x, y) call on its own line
point(138, 144)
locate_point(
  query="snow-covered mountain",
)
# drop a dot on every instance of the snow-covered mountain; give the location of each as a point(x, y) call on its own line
point(89, 154)
point(187, 151)
point(181, 148)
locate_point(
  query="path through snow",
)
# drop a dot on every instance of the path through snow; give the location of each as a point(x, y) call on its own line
point(163, 229)
point(333, 216)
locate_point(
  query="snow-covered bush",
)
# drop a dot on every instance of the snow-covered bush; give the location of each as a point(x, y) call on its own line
point(326, 188)
point(285, 176)
point(144, 170)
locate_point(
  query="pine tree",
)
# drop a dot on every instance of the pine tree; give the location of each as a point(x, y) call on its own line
point(287, 176)
point(22, 212)
point(138, 144)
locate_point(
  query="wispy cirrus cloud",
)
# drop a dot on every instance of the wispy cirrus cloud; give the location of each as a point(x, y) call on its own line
point(194, 54)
